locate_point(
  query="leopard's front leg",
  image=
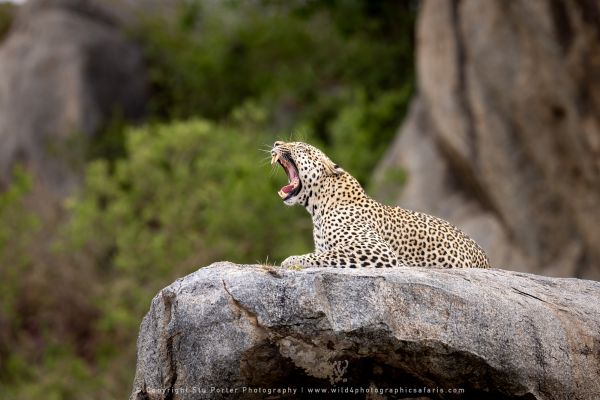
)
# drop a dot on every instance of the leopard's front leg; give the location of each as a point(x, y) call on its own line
point(346, 257)
point(294, 262)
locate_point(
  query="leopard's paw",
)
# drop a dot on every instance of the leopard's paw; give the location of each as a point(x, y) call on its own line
point(292, 262)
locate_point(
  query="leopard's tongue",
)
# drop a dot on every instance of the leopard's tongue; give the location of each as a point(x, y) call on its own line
point(288, 188)
point(292, 175)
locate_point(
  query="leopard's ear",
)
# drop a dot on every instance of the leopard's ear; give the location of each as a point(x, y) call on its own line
point(331, 168)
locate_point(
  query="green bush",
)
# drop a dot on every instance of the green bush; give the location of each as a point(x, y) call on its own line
point(271, 56)
point(44, 305)
point(186, 194)
point(184, 189)
point(339, 72)
point(18, 227)
point(7, 13)
point(363, 129)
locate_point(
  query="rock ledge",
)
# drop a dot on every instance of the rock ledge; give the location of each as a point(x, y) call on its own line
point(227, 328)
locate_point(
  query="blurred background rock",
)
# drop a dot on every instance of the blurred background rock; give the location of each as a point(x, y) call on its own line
point(66, 69)
point(503, 138)
point(130, 138)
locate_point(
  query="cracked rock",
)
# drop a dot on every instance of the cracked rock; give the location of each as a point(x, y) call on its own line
point(240, 331)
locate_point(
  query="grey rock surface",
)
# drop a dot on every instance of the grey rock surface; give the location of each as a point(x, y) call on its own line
point(66, 68)
point(497, 333)
point(504, 137)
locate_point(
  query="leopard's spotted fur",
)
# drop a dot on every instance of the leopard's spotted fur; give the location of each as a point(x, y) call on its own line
point(352, 230)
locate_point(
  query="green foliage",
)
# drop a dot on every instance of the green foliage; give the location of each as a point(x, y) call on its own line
point(17, 229)
point(59, 374)
point(110, 145)
point(7, 12)
point(364, 128)
point(340, 72)
point(37, 328)
point(186, 194)
point(184, 190)
point(16, 223)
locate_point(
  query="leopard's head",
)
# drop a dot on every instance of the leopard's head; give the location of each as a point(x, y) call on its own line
point(306, 168)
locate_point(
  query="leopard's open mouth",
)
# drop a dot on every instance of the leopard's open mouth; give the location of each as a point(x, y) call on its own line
point(291, 170)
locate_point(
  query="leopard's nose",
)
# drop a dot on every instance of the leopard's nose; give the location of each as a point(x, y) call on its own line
point(278, 143)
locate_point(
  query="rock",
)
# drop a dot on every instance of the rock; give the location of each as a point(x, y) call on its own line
point(490, 332)
point(508, 116)
point(65, 70)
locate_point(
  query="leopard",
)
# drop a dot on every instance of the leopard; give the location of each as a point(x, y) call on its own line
point(352, 230)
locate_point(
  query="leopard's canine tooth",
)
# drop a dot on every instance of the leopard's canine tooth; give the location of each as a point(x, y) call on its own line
point(274, 158)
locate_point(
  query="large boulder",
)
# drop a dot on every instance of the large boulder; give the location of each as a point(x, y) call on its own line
point(243, 331)
point(66, 69)
point(503, 138)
